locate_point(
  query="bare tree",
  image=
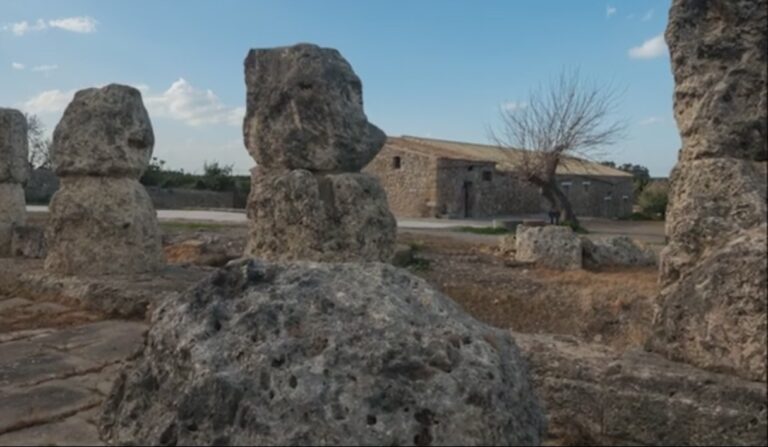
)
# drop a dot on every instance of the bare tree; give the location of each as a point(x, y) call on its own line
point(566, 118)
point(39, 145)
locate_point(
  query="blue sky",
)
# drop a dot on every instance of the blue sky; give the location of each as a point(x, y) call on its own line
point(432, 68)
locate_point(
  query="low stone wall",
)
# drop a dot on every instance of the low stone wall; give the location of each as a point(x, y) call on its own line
point(43, 183)
point(176, 198)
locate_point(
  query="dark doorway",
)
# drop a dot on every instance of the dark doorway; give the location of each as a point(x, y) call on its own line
point(468, 199)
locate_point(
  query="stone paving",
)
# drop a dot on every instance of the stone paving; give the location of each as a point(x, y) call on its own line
point(53, 379)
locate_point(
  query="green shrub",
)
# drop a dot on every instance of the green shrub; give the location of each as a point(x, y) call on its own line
point(653, 200)
point(483, 230)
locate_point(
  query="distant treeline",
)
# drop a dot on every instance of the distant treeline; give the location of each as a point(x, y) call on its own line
point(215, 177)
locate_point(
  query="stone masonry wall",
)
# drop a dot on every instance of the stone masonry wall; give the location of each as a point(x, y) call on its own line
point(598, 196)
point(412, 188)
point(489, 192)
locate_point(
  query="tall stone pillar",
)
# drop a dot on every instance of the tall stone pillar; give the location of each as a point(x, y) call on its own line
point(712, 308)
point(101, 219)
point(14, 171)
point(307, 131)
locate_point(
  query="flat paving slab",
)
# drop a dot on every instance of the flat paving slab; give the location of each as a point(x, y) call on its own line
point(53, 380)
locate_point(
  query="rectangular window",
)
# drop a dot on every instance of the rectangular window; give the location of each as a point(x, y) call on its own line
point(566, 187)
point(487, 176)
point(586, 186)
point(396, 162)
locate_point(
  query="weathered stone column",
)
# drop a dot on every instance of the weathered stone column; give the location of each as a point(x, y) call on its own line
point(14, 171)
point(101, 219)
point(712, 309)
point(306, 129)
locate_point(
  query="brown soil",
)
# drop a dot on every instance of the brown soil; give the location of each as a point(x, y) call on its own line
point(612, 306)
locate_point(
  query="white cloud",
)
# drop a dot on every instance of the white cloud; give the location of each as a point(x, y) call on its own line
point(651, 120)
point(45, 68)
point(181, 102)
point(513, 106)
point(17, 65)
point(23, 27)
point(651, 48)
point(82, 24)
point(610, 10)
point(193, 106)
point(49, 101)
point(647, 16)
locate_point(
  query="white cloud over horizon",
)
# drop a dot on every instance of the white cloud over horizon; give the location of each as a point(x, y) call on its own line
point(610, 11)
point(82, 25)
point(193, 106)
point(651, 48)
point(17, 65)
point(180, 102)
point(48, 101)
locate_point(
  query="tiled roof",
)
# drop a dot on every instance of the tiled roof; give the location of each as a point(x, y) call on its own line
point(504, 159)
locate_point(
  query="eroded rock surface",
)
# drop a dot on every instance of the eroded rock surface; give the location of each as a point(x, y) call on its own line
point(319, 353)
point(14, 171)
point(13, 146)
point(101, 225)
point(104, 132)
point(101, 219)
point(593, 395)
point(616, 251)
point(305, 111)
point(334, 217)
point(550, 246)
point(306, 129)
point(712, 310)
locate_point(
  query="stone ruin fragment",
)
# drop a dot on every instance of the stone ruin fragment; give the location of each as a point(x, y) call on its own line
point(13, 174)
point(712, 308)
point(287, 352)
point(101, 219)
point(307, 131)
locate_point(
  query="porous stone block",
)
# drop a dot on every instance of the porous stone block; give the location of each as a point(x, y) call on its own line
point(101, 225)
point(103, 132)
point(304, 110)
point(299, 215)
point(307, 353)
point(550, 246)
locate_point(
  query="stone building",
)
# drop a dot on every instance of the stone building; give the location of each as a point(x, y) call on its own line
point(438, 178)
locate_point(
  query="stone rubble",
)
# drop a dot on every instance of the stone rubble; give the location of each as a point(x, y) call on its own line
point(552, 246)
point(102, 221)
point(14, 171)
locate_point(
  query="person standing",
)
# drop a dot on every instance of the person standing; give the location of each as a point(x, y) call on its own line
point(554, 216)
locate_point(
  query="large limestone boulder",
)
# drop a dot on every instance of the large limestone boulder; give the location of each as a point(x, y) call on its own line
point(321, 354)
point(551, 246)
point(304, 110)
point(712, 308)
point(102, 225)
point(12, 213)
point(616, 251)
point(711, 200)
point(593, 395)
point(715, 315)
point(103, 132)
point(719, 58)
point(299, 215)
point(13, 147)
